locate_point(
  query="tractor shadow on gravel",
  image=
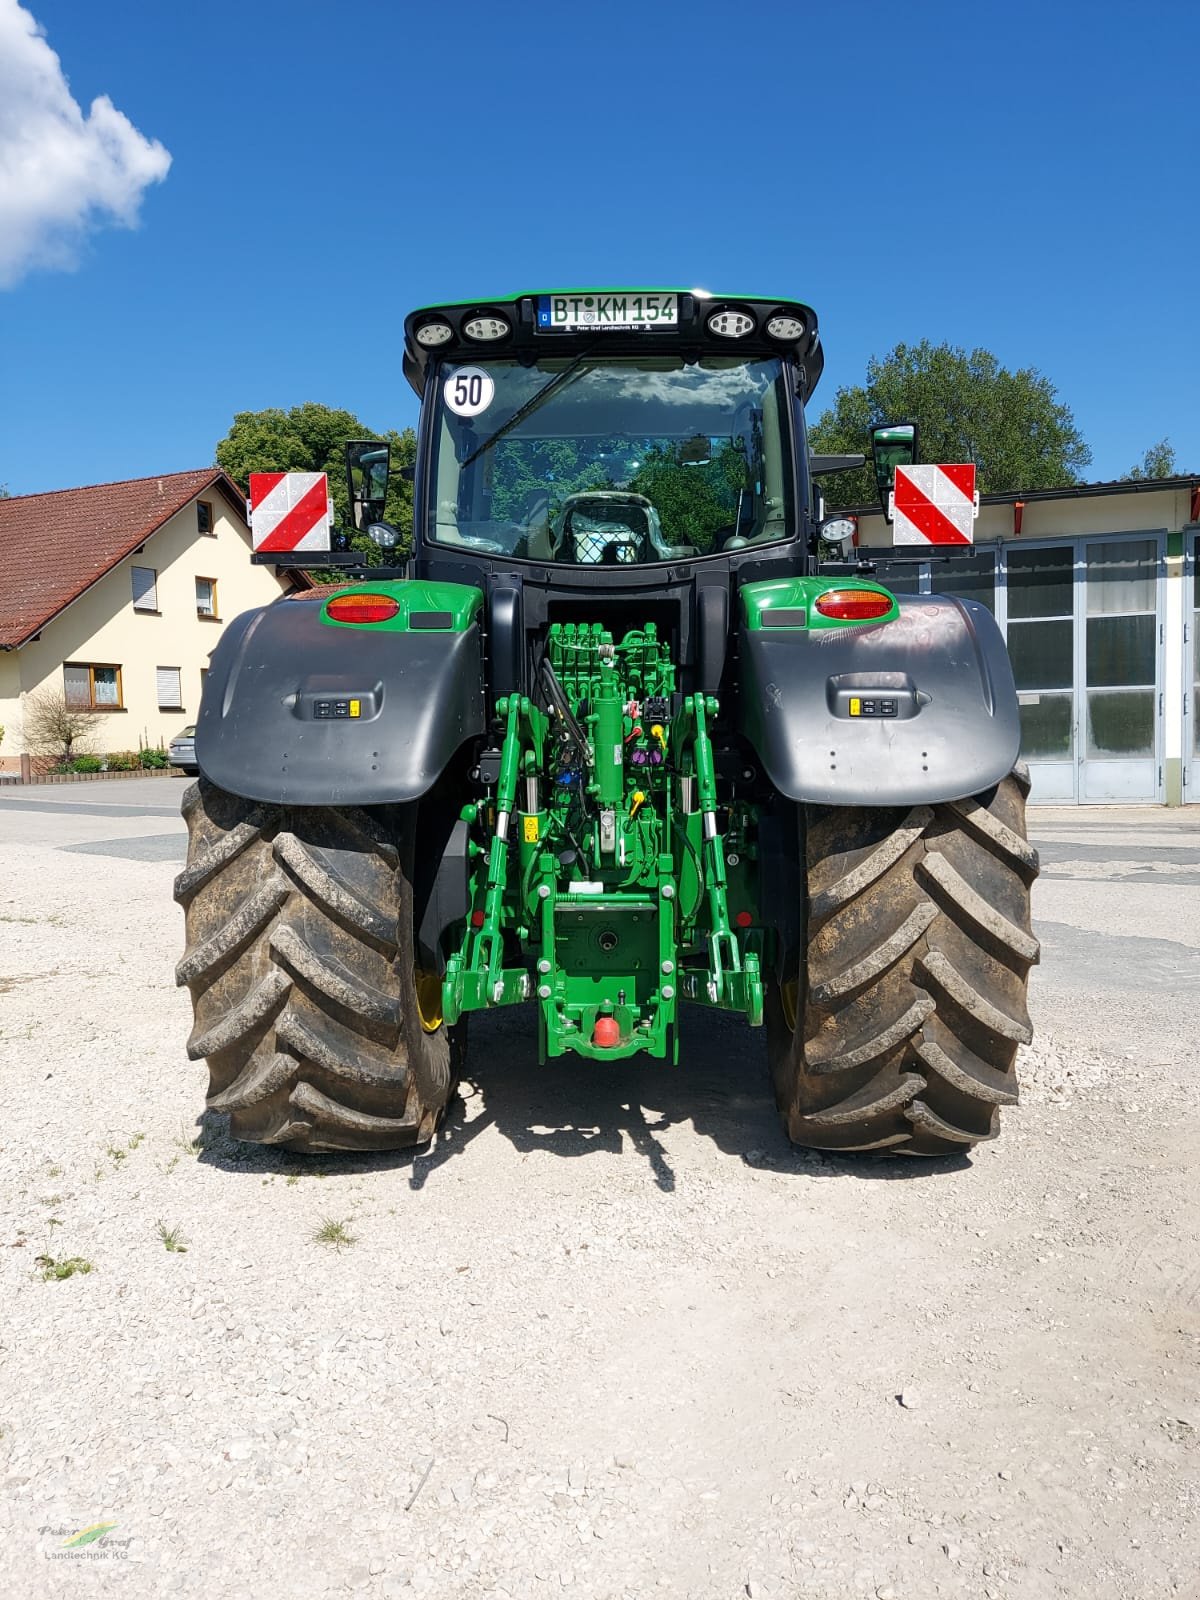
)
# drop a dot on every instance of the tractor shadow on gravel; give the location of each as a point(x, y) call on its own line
point(572, 1107)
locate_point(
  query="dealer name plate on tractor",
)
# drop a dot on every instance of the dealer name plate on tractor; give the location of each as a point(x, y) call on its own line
point(565, 313)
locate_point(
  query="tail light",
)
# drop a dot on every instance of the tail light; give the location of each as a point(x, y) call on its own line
point(854, 605)
point(361, 607)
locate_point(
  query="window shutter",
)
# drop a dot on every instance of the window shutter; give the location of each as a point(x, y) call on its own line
point(168, 688)
point(145, 589)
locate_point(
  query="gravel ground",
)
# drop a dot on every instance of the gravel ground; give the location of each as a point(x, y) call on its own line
point(612, 1337)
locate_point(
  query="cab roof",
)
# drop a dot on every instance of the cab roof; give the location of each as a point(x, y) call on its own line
point(690, 332)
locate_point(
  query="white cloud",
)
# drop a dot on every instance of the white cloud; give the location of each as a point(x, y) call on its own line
point(61, 173)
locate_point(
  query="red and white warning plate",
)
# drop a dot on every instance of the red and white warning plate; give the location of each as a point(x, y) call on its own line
point(290, 511)
point(935, 505)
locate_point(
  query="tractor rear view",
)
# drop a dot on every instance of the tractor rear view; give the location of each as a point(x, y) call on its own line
point(633, 727)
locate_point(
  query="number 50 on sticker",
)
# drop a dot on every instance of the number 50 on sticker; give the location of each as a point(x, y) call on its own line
point(468, 391)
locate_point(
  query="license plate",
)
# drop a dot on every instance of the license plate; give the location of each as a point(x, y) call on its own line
point(563, 313)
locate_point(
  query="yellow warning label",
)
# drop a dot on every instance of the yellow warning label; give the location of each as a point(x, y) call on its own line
point(531, 830)
point(855, 706)
point(356, 708)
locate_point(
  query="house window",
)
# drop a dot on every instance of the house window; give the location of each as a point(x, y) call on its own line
point(206, 597)
point(170, 695)
point(204, 517)
point(145, 589)
point(92, 688)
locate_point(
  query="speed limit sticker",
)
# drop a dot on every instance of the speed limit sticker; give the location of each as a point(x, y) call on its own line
point(468, 391)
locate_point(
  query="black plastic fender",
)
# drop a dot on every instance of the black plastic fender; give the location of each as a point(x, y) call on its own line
point(907, 712)
point(297, 712)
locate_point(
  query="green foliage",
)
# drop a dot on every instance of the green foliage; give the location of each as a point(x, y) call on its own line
point(968, 408)
point(526, 468)
point(334, 1233)
point(66, 1267)
point(1157, 462)
point(693, 501)
point(123, 761)
point(153, 759)
point(310, 438)
point(86, 764)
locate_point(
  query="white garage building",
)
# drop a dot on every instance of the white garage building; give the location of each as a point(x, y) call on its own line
point(1097, 591)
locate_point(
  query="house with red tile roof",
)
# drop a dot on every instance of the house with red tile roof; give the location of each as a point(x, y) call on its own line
point(113, 596)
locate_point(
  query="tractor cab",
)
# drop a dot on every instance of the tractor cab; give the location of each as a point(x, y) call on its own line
point(611, 429)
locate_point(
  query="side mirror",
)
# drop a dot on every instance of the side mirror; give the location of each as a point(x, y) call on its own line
point(892, 445)
point(367, 465)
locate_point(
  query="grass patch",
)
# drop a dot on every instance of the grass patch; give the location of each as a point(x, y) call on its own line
point(172, 1239)
point(191, 1144)
point(54, 1267)
point(333, 1233)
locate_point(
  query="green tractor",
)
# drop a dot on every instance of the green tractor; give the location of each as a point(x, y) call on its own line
point(633, 726)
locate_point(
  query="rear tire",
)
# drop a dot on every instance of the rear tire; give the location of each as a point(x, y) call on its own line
point(300, 961)
point(899, 1032)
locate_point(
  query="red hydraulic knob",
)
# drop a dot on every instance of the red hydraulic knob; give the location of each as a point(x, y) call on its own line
point(606, 1033)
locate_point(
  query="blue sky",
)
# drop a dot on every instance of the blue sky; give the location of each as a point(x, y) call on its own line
point(1021, 176)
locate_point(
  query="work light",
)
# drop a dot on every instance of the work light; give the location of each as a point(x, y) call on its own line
point(784, 327)
point(485, 328)
point(731, 324)
point(431, 334)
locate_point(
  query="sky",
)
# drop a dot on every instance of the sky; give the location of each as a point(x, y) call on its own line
point(219, 207)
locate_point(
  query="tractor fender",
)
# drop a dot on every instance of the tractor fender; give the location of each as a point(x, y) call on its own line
point(906, 712)
point(298, 712)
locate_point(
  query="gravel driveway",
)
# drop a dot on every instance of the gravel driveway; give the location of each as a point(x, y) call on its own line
point(612, 1337)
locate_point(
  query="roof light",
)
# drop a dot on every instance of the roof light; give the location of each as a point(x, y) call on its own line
point(432, 334)
point(785, 327)
point(854, 605)
point(731, 324)
point(361, 606)
point(485, 328)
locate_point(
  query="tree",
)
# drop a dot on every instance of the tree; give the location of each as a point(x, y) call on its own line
point(310, 438)
point(54, 727)
point(1158, 462)
point(967, 408)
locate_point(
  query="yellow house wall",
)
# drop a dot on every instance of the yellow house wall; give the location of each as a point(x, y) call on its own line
point(10, 703)
point(102, 628)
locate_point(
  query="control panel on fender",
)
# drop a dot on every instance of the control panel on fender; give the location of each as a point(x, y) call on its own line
point(874, 696)
point(337, 704)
